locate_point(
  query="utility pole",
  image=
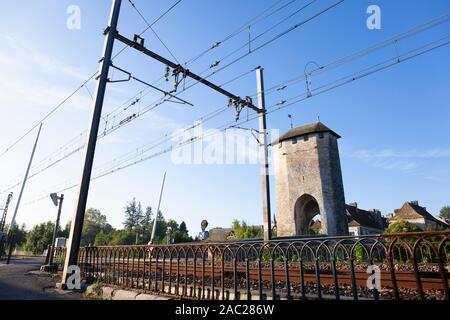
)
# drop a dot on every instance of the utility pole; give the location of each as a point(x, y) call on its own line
point(57, 201)
point(138, 44)
point(157, 210)
point(263, 155)
point(5, 212)
point(3, 222)
point(78, 215)
point(25, 178)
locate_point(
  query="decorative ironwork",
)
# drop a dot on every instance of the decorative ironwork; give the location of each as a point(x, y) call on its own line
point(410, 265)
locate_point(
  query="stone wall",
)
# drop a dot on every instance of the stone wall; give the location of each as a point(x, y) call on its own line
point(309, 166)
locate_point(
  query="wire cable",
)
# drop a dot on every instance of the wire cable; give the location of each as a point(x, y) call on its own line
point(7, 149)
point(242, 28)
point(325, 88)
point(153, 30)
point(395, 39)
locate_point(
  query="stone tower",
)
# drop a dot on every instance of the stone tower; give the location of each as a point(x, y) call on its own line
point(309, 181)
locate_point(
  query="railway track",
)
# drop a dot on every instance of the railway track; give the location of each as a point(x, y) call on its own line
point(404, 279)
point(410, 265)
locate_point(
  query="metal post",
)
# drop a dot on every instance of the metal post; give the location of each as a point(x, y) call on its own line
point(55, 231)
point(47, 256)
point(157, 211)
point(78, 215)
point(5, 212)
point(11, 239)
point(263, 155)
point(13, 220)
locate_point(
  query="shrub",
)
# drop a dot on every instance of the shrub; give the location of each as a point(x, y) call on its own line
point(401, 226)
point(96, 290)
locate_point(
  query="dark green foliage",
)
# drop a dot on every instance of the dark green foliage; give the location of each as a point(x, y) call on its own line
point(402, 226)
point(94, 223)
point(123, 237)
point(40, 237)
point(445, 212)
point(20, 234)
point(97, 231)
point(161, 228)
point(244, 231)
point(172, 224)
point(103, 239)
point(359, 253)
point(133, 215)
point(180, 234)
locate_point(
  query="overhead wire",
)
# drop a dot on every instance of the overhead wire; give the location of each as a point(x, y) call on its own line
point(60, 104)
point(269, 41)
point(242, 28)
point(434, 22)
point(153, 30)
point(259, 47)
point(292, 101)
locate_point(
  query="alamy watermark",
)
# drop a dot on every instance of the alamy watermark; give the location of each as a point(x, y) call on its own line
point(73, 21)
point(234, 146)
point(73, 281)
point(374, 280)
point(373, 22)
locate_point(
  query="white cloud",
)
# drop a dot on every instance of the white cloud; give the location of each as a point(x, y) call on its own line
point(390, 153)
point(398, 160)
point(18, 51)
point(15, 94)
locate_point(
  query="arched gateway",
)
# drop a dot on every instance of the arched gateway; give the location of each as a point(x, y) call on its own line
point(305, 209)
point(308, 181)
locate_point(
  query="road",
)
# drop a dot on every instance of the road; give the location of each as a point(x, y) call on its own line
point(21, 280)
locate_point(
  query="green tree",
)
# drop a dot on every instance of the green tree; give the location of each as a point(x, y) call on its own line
point(243, 231)
point(40, 237)
point(401, 226)
point(133, 215)
point(252, 232)
point(146, 224)
point(161, 228)
point(237, 228)
point(445, 212)
point(123, 237)
point(94, 223)
point(172, 224)
point(181, 235)
point(103, 239)
point(66, 231)
point(20, 234)
point(147, 217)
point(182, 227)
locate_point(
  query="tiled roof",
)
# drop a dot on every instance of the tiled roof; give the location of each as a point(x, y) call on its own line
point(358, 217)
point(410, 210)
point(315, 127)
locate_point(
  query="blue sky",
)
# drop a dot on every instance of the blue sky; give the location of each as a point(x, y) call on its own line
point(395, 142)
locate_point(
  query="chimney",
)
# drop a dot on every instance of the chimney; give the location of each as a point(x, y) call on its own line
point(353, 204)
point(376, 214)
point(415, 202)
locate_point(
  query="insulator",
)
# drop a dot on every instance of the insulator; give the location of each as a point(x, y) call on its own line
point(214, 64)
